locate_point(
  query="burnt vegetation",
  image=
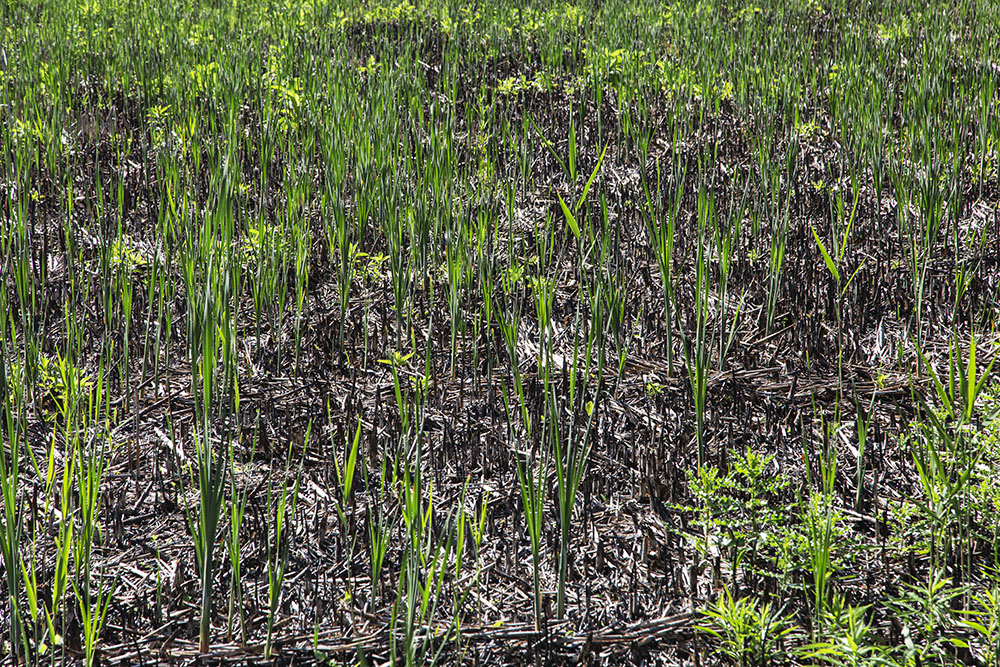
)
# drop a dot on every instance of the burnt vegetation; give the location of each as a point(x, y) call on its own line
point(494, 333)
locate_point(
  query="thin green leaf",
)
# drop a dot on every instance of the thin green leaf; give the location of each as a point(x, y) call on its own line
point(826, 257)
point(570, 220)
point(590, 181)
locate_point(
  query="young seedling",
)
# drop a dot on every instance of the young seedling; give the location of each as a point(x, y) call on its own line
point(280, 536)
point(834, 264)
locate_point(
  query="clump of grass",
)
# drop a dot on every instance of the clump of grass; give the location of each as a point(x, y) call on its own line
point(750, 633)
point(203, 523)
point(532, 475)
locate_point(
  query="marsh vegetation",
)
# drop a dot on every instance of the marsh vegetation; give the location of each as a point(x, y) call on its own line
point(603, 332)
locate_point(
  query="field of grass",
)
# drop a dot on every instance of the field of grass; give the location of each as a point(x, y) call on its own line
point(501, 332)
